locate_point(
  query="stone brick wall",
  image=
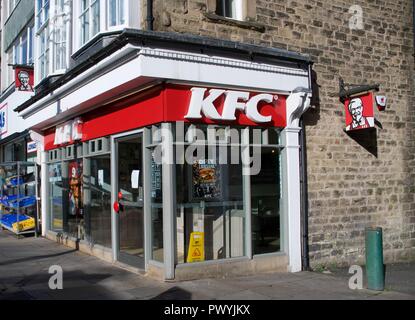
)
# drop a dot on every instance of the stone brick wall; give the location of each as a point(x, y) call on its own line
point(354, 181)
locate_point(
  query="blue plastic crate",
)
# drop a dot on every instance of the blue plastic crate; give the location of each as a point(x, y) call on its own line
point(24, 202)
point(7, 220)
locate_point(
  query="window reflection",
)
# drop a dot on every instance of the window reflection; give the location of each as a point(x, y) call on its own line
point(265, 200)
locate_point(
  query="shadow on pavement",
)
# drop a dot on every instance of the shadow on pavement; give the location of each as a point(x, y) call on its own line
point(46, 256)
point(174, 293)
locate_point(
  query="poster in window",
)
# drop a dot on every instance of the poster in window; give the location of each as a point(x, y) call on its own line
point(206, 180)
point(156, 185)
point(75, 189)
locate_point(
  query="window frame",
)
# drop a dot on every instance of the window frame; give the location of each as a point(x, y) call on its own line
point(118, 25)
point(241, 10)
point(42, 29)
point(89, 12)
point(43, 54)
point(61, 24)
point(41, 24)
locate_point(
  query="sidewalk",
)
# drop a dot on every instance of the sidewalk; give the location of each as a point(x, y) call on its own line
point(24, 266)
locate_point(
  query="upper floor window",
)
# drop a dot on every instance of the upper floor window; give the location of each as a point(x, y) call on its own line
point(23, 47)
point(42, 14)
point(60, 32)
point(89, 19)
point(234, 9)
point(116, 12)
point(42, 32)
point(43, 59)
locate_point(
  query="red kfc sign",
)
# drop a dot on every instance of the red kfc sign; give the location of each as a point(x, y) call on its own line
point(24, 79)
point(359, 112)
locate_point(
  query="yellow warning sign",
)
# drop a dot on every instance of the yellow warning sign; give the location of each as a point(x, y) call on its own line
point(196, 248)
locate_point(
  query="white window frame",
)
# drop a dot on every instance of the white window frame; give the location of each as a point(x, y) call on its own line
point(240, 10)
point(41, 11)
point(43, 54)
point(89, 11)
point(42, 28)
point(16, 49)
point(60, 22)
point(118, 25)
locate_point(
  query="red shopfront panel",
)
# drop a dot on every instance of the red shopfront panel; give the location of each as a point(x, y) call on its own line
point(115, 119)
point(168, 104)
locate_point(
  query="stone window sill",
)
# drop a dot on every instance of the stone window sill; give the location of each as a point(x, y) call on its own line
point(232, 22)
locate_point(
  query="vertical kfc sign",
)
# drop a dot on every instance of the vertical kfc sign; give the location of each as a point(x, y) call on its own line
point(24, 79)
point(359, 112)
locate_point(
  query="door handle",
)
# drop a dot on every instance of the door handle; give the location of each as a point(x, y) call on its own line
point(118, 206)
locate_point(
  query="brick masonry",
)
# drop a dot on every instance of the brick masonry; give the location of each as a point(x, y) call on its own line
point(354, 181)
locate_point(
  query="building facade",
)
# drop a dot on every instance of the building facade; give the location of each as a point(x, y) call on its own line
point(17, 43)
point(117, 81)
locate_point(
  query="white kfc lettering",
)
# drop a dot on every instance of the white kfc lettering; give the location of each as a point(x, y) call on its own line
point(234, 100)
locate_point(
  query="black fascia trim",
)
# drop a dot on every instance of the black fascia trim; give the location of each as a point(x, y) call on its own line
point(83, 60)
point(14, 136)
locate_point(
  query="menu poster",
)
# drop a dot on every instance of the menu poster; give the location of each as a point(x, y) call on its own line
point(156, 185)
point(206, 180)
point(75, 188)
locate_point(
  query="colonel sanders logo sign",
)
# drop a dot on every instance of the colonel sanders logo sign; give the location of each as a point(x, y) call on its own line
point(359, 112)
point(24, 79)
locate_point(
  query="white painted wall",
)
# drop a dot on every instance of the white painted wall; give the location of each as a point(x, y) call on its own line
point(15, 123)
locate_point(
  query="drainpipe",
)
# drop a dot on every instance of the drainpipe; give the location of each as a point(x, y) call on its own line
point(305, 256)
point(150, 17)
point(305, 259)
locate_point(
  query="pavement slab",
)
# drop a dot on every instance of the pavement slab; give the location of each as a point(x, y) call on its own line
point(24, 266)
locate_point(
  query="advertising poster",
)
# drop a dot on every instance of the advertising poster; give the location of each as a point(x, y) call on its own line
point(359, 112)
point(156, 183)
point(206, 180)
point(75, 188)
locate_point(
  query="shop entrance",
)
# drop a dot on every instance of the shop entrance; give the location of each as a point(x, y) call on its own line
point(130, 193)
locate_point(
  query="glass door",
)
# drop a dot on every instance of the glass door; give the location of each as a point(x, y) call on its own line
point(130, 195)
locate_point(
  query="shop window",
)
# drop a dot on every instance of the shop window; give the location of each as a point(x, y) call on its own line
point(66, 197)
point(265, 203)
point(15, 152)
point(56, 191)
point(210, 200)
point(157, 211)
point(97, 199)
point(73, 215)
